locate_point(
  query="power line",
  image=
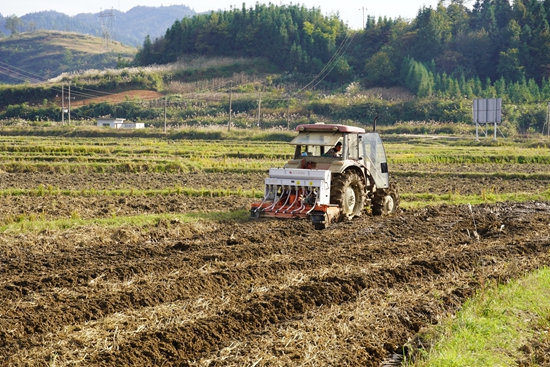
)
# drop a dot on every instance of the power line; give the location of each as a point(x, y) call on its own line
point(27, 74)
point(331, 63)
point(23, 75)
point(334, 64)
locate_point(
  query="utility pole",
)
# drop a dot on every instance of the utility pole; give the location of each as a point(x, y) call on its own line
point(363, 8)
point(62, 104)
point(259, 104)
point(230, 100)
point(69, 102)
point(165, 113)
point(288, 112)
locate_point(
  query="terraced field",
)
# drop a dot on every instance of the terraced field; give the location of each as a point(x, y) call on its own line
point(140, 252)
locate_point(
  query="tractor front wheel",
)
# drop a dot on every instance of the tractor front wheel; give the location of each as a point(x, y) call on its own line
point(348, 192)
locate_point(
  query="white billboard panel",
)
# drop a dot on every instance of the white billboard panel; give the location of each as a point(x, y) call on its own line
point(488, 110)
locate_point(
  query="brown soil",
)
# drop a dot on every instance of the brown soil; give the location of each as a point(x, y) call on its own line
point(265, 292)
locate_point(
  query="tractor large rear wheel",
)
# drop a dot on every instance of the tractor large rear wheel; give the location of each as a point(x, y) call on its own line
point(386, 201)
point(348, 192)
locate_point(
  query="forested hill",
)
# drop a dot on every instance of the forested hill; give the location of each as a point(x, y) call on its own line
point(292, 37)
point(449, 49)
point(129, 27)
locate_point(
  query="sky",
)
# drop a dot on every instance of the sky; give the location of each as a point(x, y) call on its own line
point(350, 11)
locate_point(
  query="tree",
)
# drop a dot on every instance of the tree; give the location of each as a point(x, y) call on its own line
point(520, 12)
point(503, 13)
point(341, 72)
point(478, 87)
point(458, 14)
point(433, 30)
point(145, 55)
point(500, 87)
point(475, 20)
point(509, 65)
point(379, 70)
point(419, 80)
point(454, 89)
point(67, 57)
point(13, 23)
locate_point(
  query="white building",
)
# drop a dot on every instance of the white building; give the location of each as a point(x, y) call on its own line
point(118, 123)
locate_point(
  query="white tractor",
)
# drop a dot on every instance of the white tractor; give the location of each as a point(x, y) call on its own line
point(337, 171)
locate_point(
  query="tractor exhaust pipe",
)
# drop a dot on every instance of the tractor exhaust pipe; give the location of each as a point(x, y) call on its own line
point(374, 124)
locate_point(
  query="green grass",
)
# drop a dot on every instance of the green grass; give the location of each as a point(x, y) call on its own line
point(25, 224)
point(42, 190)
point(493, 326)
point(427, 199)
point(448, 152)
point(476, 175)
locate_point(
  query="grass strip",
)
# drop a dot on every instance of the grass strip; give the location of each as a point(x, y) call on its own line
point(426, 199)
point(178, 190)
point(475, 175)
point(37, 225)
point(132, 166)
point(493, 327)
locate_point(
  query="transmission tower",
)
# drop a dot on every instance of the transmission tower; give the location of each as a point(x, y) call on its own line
point(106, 19)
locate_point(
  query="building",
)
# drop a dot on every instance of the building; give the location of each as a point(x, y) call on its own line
point(118, 123)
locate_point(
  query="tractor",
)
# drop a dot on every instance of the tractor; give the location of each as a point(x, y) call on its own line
point(336, 173)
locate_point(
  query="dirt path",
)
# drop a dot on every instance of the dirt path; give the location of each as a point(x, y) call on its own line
point(120, 97)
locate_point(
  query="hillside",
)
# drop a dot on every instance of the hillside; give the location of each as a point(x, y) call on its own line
point(450, 51)
point(129, 27)
point(40, 55)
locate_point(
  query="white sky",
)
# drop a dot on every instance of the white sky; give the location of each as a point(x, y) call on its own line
point(350, 11)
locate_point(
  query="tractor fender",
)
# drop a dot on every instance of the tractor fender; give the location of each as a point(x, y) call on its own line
point(358, 168)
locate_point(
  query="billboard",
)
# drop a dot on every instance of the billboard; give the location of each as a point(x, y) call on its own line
point(487, 111)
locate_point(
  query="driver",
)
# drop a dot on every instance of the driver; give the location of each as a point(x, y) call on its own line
point(335, 150)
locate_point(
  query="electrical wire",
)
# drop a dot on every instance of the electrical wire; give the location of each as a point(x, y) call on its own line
point(78, 91)
point(331, 63)
point(23, 75)
point(334, 64)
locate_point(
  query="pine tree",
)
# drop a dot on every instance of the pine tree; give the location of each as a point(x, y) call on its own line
point(534, 90)
point(426, 82)
point(545, 88)
point(503, 13)
point(475, 20)
point(468, 90)
point(437, 84)
point(509, 65)
point(454, 89)
point(500, 87)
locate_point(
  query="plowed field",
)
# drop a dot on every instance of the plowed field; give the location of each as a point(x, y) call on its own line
point(246, 293)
